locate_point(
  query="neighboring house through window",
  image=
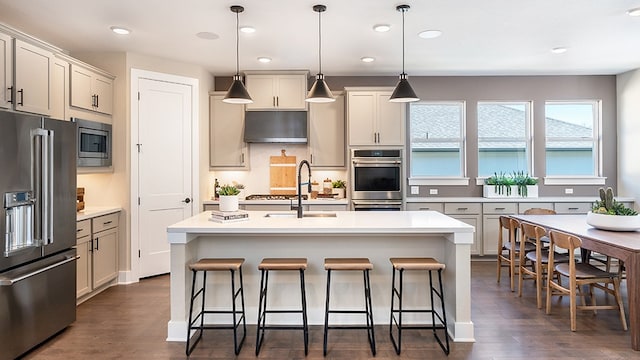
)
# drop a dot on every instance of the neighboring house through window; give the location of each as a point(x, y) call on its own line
point(572, 138)
point(504, 137)
point(437, 139)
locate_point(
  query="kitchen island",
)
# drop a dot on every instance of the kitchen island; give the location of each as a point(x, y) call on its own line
point(376, 235)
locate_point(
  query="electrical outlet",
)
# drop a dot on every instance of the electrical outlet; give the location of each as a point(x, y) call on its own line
point(415, 190)
point(568, 191)
point(433, 191)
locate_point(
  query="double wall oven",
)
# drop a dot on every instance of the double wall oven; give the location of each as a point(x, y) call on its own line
point(376, 179)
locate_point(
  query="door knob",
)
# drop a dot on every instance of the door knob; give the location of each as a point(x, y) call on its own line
point(187, 200)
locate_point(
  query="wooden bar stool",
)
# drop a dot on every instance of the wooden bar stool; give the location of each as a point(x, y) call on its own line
point(428, 264)
point(281, 264)
point(204, 265)
point(350, 264)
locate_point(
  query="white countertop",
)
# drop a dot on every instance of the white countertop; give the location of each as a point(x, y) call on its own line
point(286, 202)
point(93, 211)
point(589, 199)
point(345, 222)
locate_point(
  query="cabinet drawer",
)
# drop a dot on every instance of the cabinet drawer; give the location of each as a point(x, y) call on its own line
point(83, 228)
point(499, 208)
point(572, 208)
point(425, 206)
point(462, 208)
point(105, 222)
point(522, 207)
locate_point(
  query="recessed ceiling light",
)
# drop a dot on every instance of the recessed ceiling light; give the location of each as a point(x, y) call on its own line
point(207, 35)
point(633, 12)
point(120, 30)
point(429, 34)
point(264, 59)
point(559, 50)
point(367, 59)
point(382, 27)
point(247, 29)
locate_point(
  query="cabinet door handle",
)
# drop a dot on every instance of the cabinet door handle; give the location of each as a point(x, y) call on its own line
point(463, 209)
point(423, 208)
point(91, 245)
point(107, 222)
point(500, 208)
point(97, 244)
point(97, 100)
point(242, 158)
point(10, 88)
point(573, 208)
point(274, 101)
point(78, 230)
point(311, 158)
point(277, 101)
point(21, 92)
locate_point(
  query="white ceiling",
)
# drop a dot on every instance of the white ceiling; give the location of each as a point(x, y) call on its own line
point(480, 37)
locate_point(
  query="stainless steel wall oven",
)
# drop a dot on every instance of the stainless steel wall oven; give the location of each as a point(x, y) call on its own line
point(376, 179)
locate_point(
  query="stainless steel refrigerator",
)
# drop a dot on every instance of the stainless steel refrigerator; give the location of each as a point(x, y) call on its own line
point(38, 226)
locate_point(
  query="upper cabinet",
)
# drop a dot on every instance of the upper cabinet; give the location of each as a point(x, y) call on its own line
point(32, 67)
point(6, 71)
point(373, 120)
point(326, 133)
point(226, 124)
point(59, 89)
point(91, 90)
point(277, 91)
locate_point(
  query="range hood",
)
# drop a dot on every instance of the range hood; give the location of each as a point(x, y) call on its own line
point(275, 127)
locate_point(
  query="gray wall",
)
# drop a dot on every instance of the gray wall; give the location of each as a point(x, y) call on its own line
point(538, 89)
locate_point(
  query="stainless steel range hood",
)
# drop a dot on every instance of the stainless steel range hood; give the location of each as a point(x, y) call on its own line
point(276, 127)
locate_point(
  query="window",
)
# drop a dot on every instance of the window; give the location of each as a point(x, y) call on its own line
point(437, 139)
point(572, 138)
point(504, 137)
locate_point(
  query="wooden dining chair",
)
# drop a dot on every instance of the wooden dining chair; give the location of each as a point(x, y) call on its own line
point(580, 274)
point(509, 249)
point(533, 264)
point(539, 211)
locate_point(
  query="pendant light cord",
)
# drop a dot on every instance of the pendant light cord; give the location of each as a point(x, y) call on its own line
point(403, 11)
point(320, 42)
point(238, 44)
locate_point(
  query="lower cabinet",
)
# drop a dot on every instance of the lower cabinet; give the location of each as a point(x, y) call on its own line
point(97, 248)
point(469, 213)
point(491, 213)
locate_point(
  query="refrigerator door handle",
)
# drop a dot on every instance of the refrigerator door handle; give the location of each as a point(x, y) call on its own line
point(43, 166)
point(7, 281)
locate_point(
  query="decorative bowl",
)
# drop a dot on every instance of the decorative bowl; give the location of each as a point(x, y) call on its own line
point(613, 222)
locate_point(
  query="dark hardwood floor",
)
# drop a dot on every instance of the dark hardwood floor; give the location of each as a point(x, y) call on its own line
point(130, 322)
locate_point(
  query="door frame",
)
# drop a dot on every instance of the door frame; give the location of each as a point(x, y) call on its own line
point(136, 75)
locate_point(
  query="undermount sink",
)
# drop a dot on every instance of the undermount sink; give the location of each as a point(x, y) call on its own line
point(293, 215)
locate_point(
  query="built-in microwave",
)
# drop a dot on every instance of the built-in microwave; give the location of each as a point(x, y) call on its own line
point(94, 143)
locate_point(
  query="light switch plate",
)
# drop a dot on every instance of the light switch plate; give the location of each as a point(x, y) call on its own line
point(568, 191)
point(433, 191)
point(415, 190)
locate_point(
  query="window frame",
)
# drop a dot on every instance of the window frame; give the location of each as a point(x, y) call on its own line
point(596, 178)
point(529, 134)
point(462, 179)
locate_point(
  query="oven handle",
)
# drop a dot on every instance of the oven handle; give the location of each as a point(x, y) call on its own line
point(388, 205)
point(377, 162)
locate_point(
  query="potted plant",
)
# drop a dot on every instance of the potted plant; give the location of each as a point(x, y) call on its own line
point(339, 188)
point(517, 184)
point(228, 198)
point(609, 214)
point(240, 187)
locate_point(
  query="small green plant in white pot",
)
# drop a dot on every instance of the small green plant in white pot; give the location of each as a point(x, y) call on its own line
point(228, 198)
point(339, 188)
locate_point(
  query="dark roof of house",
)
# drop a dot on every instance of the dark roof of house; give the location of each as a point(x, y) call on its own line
point(499, 121)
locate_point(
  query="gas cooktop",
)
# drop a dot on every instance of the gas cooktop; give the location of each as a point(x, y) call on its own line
point(273, 197)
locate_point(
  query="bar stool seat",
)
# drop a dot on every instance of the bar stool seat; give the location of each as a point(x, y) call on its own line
point(424, 264)
point(350, 264)
point(281, 264)
point(232, 265)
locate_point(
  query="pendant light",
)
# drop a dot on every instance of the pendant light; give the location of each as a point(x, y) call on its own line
point(237, 93)
point(320, 92)
point(403, 91)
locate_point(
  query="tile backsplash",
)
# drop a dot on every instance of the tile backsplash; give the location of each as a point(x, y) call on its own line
point(256, 180)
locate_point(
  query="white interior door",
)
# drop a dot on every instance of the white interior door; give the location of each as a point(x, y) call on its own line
point(164, 168)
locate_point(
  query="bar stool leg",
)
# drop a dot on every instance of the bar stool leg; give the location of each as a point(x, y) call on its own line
point(262, 306)
point(244, 318)
point(190, 346)
point(442, 318)
point(304, 313)
point(234, 294)
point(369, 312)
point(326, 313)
point(396, 292)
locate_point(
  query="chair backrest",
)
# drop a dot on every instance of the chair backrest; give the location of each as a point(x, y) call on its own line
point(510, 224)
point(564, 241)
point(539, 211)
point(532, 232)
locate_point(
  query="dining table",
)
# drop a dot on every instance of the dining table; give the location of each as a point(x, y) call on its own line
point(623, 245)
